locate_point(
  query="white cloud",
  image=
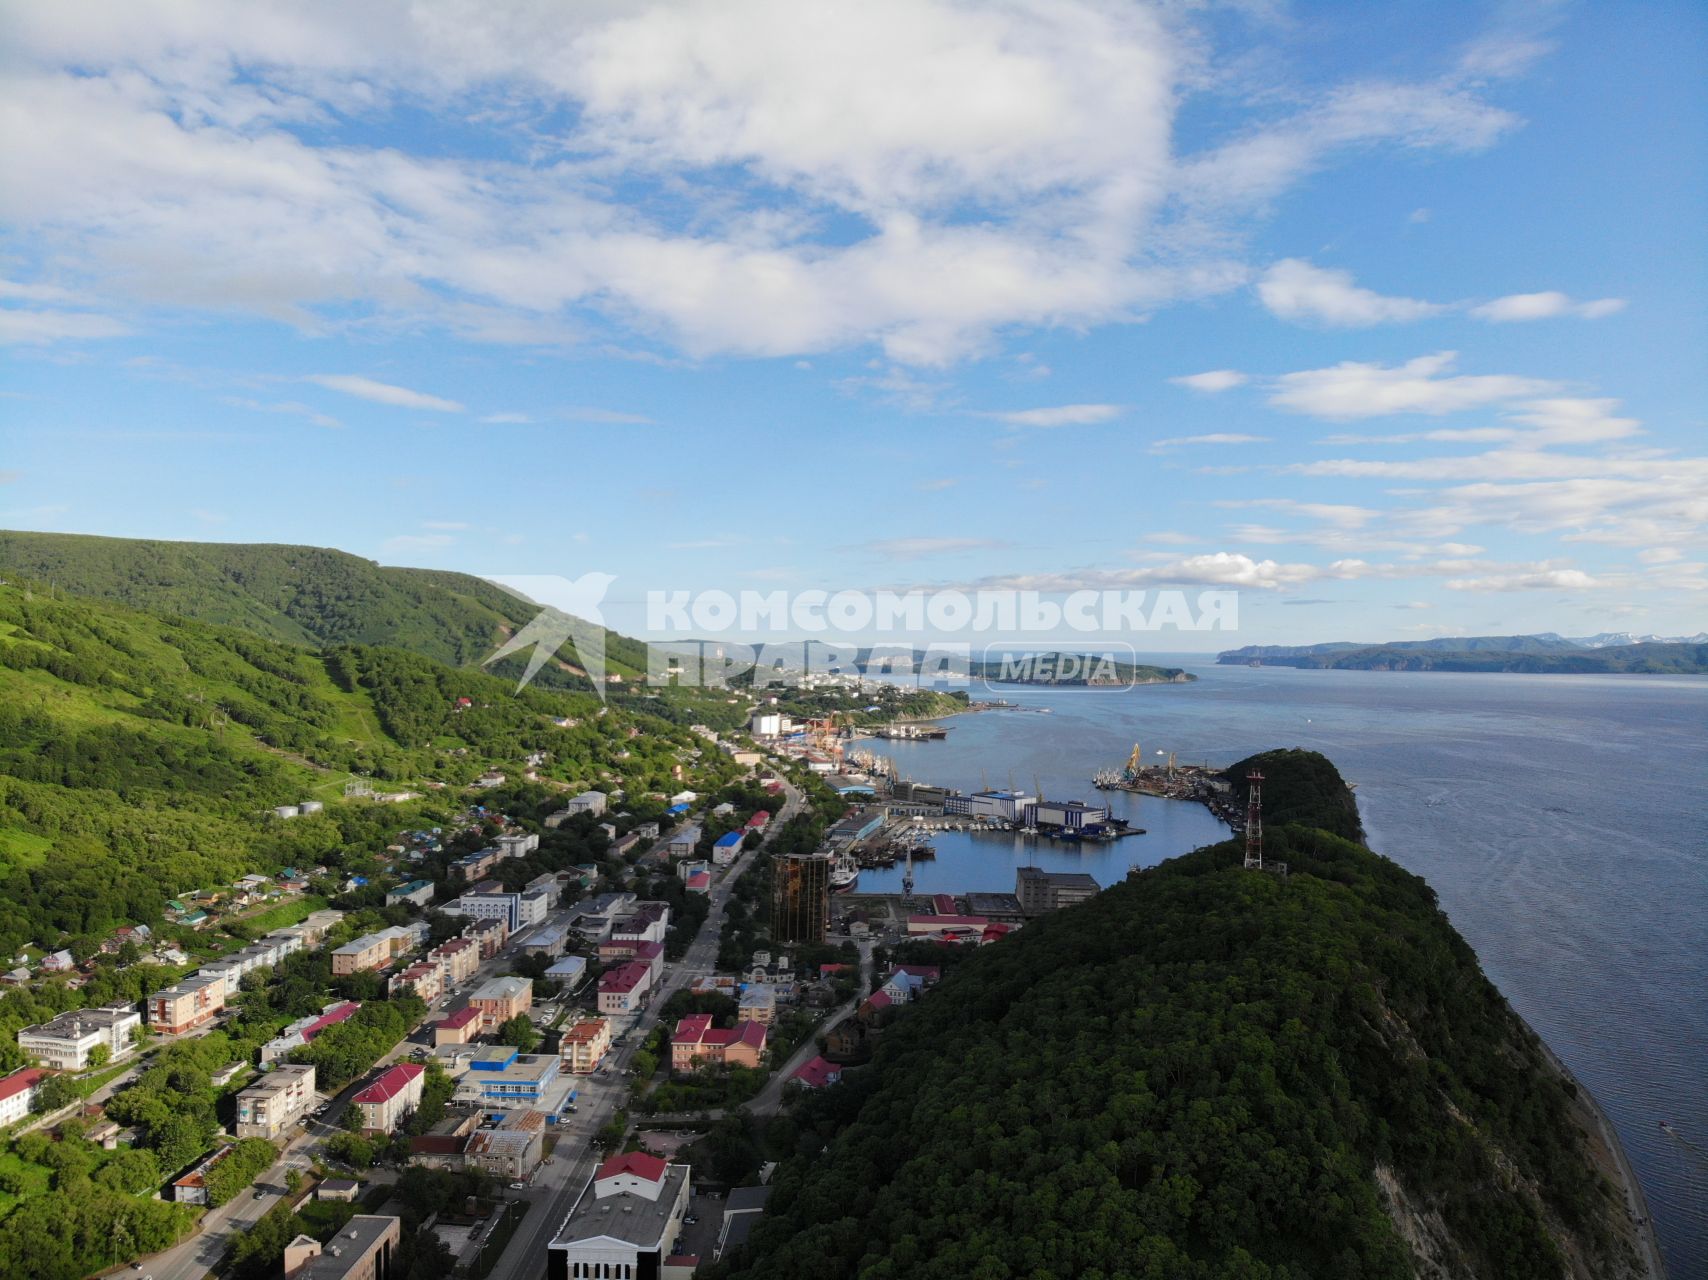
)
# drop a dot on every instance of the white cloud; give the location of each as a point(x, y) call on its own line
point(1539, 580)
point(382, 392)
point(1356, 390)
point(1212, 381)
point(795, 176)
point(495, 419)
point(21, 327)
point(1544, 306)
point(293, 407)
point(1062, 415)
point(1213, 438)
point(1294, 289)
point(450, 526)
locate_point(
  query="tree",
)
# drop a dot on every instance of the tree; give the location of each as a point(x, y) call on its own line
point(55, 1092)
point(519, 1031)
point(99, 1056)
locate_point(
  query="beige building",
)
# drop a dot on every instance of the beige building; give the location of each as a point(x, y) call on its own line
point(361, 954)
point(391, 1097)
point(424, 978)
point(267, 1108)
point(584, 1044)
point(501, 1000)
point(190, 1003)
point(365, 1248)
point(458, 957)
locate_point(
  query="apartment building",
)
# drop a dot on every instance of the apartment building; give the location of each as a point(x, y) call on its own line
point(267, 1108)
point(18, 1093)
point(376, 950)
point(458, 957)
point(583, 1045)
point(303, 1030)
point(189, 1004)
point(65, 1042)
point(424, 978)
point(395, 1092)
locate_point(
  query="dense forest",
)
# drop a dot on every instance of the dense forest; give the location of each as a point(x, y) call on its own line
point(140, 754)
point(297, 595)
point(1204, 1072)
point(1300, 786)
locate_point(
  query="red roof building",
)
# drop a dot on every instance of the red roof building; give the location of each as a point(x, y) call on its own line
point(757, 821)
point(331, 1019)
point(17, 1092)
point(697, 1043)
point(391, 1097)
point(817, 1074)
point(622, 990)
point(638, 1164)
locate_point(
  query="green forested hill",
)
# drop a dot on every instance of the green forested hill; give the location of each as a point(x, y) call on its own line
point(1300, 786)
point(1204, 1072)
point(139, 754)
point(298, 595)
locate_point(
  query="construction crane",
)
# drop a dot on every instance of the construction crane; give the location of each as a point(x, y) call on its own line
point(1135, 764)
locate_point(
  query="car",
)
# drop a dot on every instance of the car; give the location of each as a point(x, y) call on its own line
point(691, 1219)
point(518, 1186)
point(260, 1192)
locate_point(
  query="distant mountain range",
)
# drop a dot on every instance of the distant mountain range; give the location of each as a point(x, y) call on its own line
point(1544, 653)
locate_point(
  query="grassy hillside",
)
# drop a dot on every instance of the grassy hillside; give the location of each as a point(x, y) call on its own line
point(297, 595)
point(139, 754)
point(1204, 1072)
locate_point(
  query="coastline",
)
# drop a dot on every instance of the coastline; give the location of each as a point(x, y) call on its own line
point(1616, 1165)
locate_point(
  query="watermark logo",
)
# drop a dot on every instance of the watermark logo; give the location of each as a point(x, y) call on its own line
point(899, 623)
point(573, 615)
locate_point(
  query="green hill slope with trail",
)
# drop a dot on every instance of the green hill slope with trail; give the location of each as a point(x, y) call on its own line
point(1204, 1072)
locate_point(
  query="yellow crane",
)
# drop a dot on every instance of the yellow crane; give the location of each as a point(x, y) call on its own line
point(1135, 763)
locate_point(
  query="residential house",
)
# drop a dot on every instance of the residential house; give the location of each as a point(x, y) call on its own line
point(418, 892)
point(816, 1073)
point(192, 1188)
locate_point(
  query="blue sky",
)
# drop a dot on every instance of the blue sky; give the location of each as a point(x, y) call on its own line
point(1396, 327)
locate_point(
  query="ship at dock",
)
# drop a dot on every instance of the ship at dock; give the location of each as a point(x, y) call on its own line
point(1171, 781)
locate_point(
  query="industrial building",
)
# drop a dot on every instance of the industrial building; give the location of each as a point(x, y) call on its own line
point(1044, 891)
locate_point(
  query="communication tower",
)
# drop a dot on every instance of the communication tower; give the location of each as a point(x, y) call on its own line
point(1254, 822)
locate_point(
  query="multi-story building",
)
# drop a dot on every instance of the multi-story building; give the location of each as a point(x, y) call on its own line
point(583, 1045)
point(274, 1102)
point(547, 883)
point(1044, 891)
point(800, 900)
point(502, 1077)
point(65, 1042)
point(18, 1093)
point(758, 1004)
point(510, 1151)
point(488, 904)
point(365, 1248)
point(569, 972)
point(303, 1030)
point(502, 999)
point(394, 1093)
point(376, 950)
point(458, 957)
point(546, 940)
point(646, 922)
point(517, 846)
point(190, 1003)
point(457, 1028)
point(587, 802)
point(629, 1223)
point(623, 989)
point(424, 978)
point(475, 866)
point(697, 1043)
point(489, 935)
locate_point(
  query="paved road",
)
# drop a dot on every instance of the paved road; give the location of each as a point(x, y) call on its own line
point(769, 1099)
point(561, 1184)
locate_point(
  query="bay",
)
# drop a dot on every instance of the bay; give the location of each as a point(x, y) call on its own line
point(1562, 820)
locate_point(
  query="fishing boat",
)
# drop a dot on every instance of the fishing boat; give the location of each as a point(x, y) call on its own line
point(844, 873)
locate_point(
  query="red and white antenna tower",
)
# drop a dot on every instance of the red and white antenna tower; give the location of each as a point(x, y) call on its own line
point(1254, 821)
